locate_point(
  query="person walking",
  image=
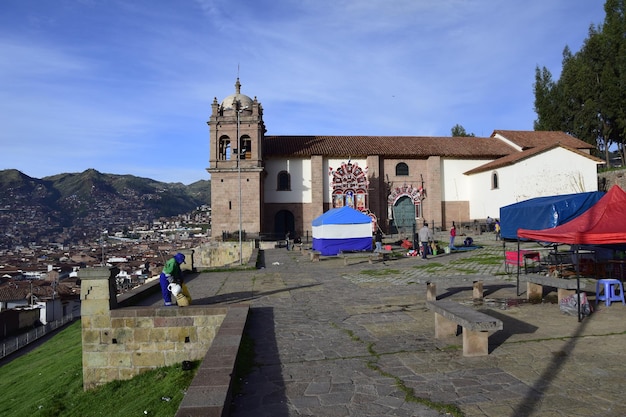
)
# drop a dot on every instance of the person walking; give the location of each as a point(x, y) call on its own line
point(288, 239)
point(452, 236)
point(378, 240)
point(425, 236)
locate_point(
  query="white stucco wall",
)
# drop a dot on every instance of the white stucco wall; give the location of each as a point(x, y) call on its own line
point(456, 185)
point(301, 177)
point(300, 172)
point(554, 172)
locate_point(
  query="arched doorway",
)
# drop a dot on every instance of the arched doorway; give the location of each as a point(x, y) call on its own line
point(404, 204)
point(404, 216)
point(283, 223)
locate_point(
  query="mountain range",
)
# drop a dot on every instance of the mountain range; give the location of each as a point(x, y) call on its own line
point(71, 205)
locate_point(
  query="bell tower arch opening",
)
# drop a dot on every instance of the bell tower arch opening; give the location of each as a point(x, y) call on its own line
point(225, 150)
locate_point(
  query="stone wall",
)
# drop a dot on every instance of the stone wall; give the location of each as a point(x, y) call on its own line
point(211, 255)
point(610, 178)
point(121, 343)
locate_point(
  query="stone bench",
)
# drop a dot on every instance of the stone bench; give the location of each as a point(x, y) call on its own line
point(347, 255)
point(535, 284)
point(381, 255)
point(477, 291)
point(476, 325)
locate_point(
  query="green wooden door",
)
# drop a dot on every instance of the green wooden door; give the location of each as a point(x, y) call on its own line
point(404, 216)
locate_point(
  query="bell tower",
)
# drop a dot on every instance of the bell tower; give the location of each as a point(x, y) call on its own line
point(236, 131)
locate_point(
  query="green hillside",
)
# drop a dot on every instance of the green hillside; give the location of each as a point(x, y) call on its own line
point(48, 381)
point(74, 207)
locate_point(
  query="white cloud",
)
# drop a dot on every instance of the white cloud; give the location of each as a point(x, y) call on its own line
point(92, 84)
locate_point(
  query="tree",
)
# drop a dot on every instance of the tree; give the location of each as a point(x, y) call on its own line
point(587, 100)
point(459, 130)
point(547, 103)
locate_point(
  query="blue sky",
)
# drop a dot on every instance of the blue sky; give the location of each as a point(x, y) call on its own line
point(126, 87)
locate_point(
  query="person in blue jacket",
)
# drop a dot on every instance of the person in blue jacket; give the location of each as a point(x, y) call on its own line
point(171, 274)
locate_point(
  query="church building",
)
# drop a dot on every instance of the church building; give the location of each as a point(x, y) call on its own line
point(268, 185)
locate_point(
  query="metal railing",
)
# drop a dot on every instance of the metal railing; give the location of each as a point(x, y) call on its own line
point(14, 343)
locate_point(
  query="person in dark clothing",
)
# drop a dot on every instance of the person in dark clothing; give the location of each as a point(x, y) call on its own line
point(288, 240)
point(425, 236)
point(378, 240)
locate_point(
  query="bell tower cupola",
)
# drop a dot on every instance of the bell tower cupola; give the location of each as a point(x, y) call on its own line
point(237, 129)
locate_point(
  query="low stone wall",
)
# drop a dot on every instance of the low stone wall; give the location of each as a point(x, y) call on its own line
point(119, 343)
point(135, 339)
point(210, 391)
point(216, 254)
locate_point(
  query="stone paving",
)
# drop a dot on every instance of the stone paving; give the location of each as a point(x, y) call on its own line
point(357, 340)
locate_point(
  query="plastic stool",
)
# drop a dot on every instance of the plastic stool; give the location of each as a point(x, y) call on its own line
point(610, 291)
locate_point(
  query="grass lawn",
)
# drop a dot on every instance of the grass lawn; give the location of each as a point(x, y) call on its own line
point(48, 381)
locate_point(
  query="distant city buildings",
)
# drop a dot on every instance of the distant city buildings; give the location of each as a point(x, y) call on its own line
point(43, 274)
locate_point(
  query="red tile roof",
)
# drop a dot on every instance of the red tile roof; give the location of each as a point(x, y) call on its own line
point(387, 146)
point(20, 290)
point(533, 139)
point(531, 142)
point(519, 156)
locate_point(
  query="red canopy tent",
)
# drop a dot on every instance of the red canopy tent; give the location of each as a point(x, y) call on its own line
point(603, 224)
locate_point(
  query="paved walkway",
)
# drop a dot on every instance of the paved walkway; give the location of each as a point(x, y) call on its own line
point(357, 340)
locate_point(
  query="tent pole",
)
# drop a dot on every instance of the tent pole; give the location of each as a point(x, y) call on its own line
point(578, 284)
point(518, 267)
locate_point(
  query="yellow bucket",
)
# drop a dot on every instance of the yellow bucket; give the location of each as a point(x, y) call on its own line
point(182, 300)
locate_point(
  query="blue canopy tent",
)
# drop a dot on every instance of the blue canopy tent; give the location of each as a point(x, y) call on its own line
point(342, 229)
point(544, 212)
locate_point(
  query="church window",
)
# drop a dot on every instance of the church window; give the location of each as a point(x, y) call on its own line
point(494, 181)
point(402, 169)
point(284, 181)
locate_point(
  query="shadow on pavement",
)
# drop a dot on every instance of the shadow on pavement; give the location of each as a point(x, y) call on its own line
point(511, 326)
point(237, 297)
point(528, 405)
point(266, 375)
point(487, 290)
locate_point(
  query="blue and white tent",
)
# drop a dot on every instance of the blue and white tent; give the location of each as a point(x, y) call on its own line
point(342, 229)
